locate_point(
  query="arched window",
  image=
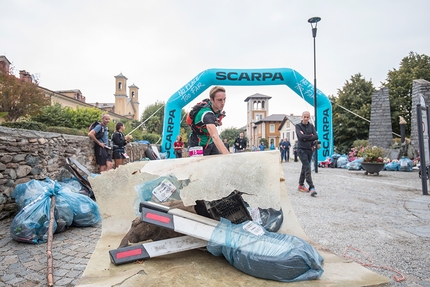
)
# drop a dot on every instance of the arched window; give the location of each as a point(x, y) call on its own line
point(132, 94)
point(119, 86)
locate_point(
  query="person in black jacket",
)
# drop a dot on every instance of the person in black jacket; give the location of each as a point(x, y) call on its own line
point(240, 143)
point(119, 141)
point(306, 138)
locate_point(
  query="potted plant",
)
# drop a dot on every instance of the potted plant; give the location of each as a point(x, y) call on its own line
point(373, 159)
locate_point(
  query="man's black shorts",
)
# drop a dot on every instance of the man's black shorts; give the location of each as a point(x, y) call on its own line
point(102, 155)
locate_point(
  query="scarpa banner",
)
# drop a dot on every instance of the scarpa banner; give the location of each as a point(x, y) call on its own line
point(247, 77)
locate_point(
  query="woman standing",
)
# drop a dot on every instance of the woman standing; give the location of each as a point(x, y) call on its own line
point(178, 145)
point(119, 142)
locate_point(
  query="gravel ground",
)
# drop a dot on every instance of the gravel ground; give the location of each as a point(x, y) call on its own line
point(385, 216)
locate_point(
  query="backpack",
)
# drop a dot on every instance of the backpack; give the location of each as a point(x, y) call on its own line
point(192, 115)
point(101, 133)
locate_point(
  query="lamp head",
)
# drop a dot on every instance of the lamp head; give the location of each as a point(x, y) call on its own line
point(314, 20)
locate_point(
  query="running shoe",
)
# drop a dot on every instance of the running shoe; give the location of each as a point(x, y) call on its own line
point(303, 188)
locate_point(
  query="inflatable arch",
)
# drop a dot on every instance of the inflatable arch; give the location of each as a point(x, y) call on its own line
point(247, 77)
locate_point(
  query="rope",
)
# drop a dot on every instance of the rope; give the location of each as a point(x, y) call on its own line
point(357, 115)
point(370, 264)
point(147, 119)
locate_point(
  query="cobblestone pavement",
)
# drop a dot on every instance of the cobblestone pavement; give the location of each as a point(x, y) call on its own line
point(386, 216)
point(25, 265)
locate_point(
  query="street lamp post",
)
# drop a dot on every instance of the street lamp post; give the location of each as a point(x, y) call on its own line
point(314, 22)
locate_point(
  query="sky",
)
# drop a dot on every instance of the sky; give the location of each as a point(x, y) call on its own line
point(161, 45)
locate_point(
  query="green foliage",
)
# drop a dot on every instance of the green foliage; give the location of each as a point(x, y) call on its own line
point(67, 131)
point(230, 134)
point(151, 137)
point(19, 98)
point(79, 118)
point(154, 116)
point(54, 115)
point(266, 143)
point(355, 96)
point(360, 143)
point(399, 83)
point(371, 154)
point(26, 126)
point(82, 118)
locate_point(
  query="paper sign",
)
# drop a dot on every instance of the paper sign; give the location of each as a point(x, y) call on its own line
point(253, 228)
point(164, 190)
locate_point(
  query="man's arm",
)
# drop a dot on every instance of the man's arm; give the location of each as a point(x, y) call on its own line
point(92, 135)
point(217, 140)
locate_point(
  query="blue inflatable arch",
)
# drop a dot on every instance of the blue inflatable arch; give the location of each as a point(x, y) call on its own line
point(247, 77)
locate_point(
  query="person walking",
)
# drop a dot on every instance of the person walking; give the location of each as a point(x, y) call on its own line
point(306, 136)
point(295, 151)
point(286, 146)
point(282, 150)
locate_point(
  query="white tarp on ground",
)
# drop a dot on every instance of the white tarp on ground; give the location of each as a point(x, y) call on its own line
point(257, 173)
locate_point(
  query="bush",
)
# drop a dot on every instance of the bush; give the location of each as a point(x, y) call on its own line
point(67, 131)
point(35, 126)
point(151, 137)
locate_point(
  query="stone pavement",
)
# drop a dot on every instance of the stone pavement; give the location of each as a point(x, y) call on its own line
point(25, 265)
point(386, 216)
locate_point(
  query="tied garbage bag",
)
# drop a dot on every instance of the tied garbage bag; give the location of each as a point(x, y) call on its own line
point(85, 210)
point(268, 255)
point(342, 161)
point(24, 193)
point(63, 214)
point(355, 164)
point(31, 224)
point(405, 164)
point(392, 166)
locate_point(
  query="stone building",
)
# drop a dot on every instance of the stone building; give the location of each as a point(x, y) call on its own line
point(125, 106)
point(261, 125)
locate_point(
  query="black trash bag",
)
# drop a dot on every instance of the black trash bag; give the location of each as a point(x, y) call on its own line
point(235, 209)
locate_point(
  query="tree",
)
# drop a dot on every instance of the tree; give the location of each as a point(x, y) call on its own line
point(399, 83)
point(19, 98)
point(56, 115)
point(231, 134)
point(355, 96)
point(154, 117)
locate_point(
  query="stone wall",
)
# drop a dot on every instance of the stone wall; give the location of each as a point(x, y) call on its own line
point(380, 130)
point(419, 88)
point(27, 155)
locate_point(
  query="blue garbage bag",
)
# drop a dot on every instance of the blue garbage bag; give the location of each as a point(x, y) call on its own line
point(268, 255)
point(406, 164)
point(355, 164)
point(392, 166)
point(24, 193)
point(85, 210)
point(31, 224)
point(162, 189)
point(342, 161)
